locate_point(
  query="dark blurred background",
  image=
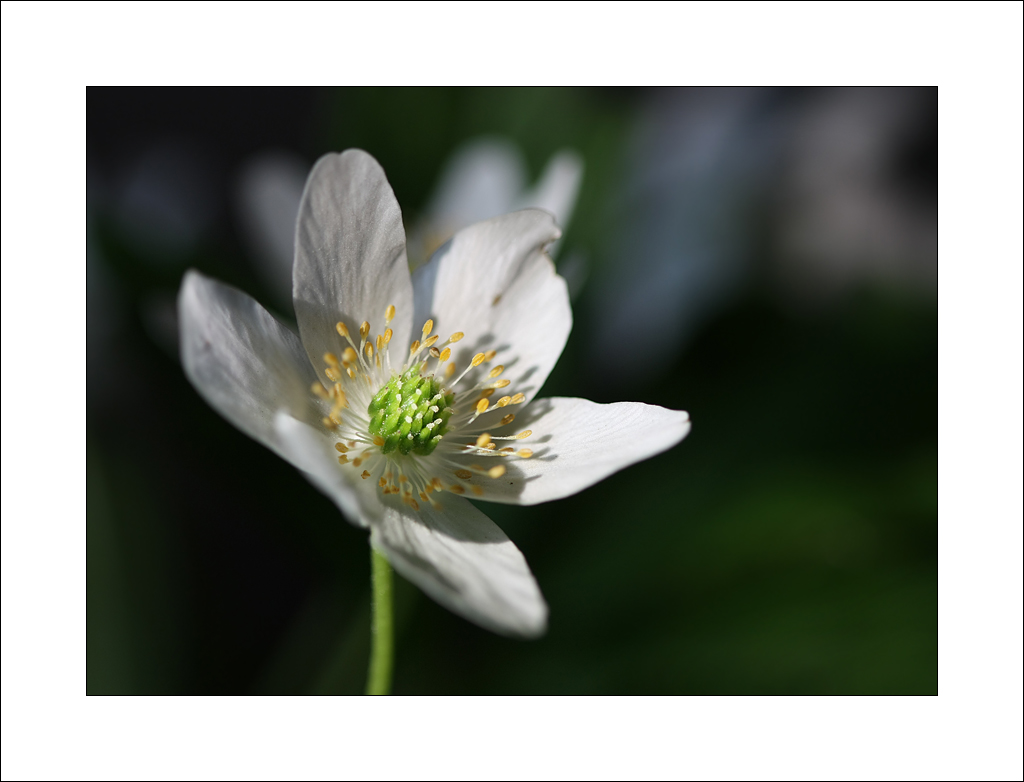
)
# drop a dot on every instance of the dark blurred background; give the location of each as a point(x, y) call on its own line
point(765, 259)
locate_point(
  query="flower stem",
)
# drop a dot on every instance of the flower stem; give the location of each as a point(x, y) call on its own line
point(382, 635)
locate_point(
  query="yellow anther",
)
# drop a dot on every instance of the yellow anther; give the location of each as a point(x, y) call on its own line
point(507, 449)
point(481, 406)
point(508, 419)
point(328, 423)
point(339, 395)
point(343, 459)
point(364, 329)
point(446, 354)
point(449, 371)
point(389, 314)
point(403, 478)
point(436, 484)
point(525, 453)
point(486, 393)
point(331, 359)
point(414, 346)
point(357, 461)
point(490, 354)
point(340, 448)
point(365, 474)
point(336, 418)
point(456, 489)
point(503, 401)
point(435, 352)
point(342, 328)
point(428, 326)
point(478, 359)
point(412, 503)
point(349, 355)
point(496, 371)
point(351, 372)
point(482, 440)
point(387, 335)
point(491, 446)
point(368, 350)
point(380, 342)
point(382, 482)
point(378, 441)
point(496, 472)
point(423, 496)
point(318, 389)
point(524, 435)
point(502, 383)
point(332, 373)
point(518, 399)
point(477, 490)
point(456, 337)
point(464, 474)
point(430, 342)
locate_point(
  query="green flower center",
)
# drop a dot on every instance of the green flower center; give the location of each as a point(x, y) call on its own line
point(410, 413)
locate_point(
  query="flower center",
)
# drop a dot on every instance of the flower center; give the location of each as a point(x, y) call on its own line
point(411, 413)
point(395, 420)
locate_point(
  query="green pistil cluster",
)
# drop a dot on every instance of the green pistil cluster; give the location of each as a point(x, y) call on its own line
point(410, 413)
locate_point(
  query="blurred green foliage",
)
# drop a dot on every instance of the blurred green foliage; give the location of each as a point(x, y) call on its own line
point(788, 545)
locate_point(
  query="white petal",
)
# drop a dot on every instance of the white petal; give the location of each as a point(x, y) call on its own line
point(495, 283)
point(350, 261)
point(244, 363)
point(312, 451)
point(575, 444)
point(482, 179)
point(558, 187)
point(463, 560)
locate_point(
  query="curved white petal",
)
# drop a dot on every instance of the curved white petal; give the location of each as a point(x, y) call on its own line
point(463, 560)
point(240, 359)
point(575, 444)
point(482, 179)
point(350, 260)
point(312, 451)
point(495, 283)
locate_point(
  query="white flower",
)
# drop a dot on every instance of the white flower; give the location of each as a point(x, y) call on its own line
point(396, 435)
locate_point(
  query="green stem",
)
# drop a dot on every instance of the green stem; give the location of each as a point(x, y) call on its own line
point(382, 628)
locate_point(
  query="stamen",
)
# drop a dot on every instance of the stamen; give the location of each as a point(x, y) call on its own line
point(518, 399)
point(340, 448)
point(503, 401)
point(482, 440)
point(318, 389)
point(387, 335)
point(481, 406)
point(343, 459)
point(389, 314)
point(342, 329)
point(457, 489)
point(523, 435)
point(525, 453)
point(428, 327)
point(331, 359)
point(478, 359)
point(364, 329)
point(496, 472)
point(445, 354)
point(449, 370)
point(508, 419)
point(365, 474)
point(496, 371)
point(456, 337)
point(348, 355)
point(332, 373)
point(464, 474)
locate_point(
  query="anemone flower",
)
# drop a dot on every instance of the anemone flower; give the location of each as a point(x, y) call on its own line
point(401, 441)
